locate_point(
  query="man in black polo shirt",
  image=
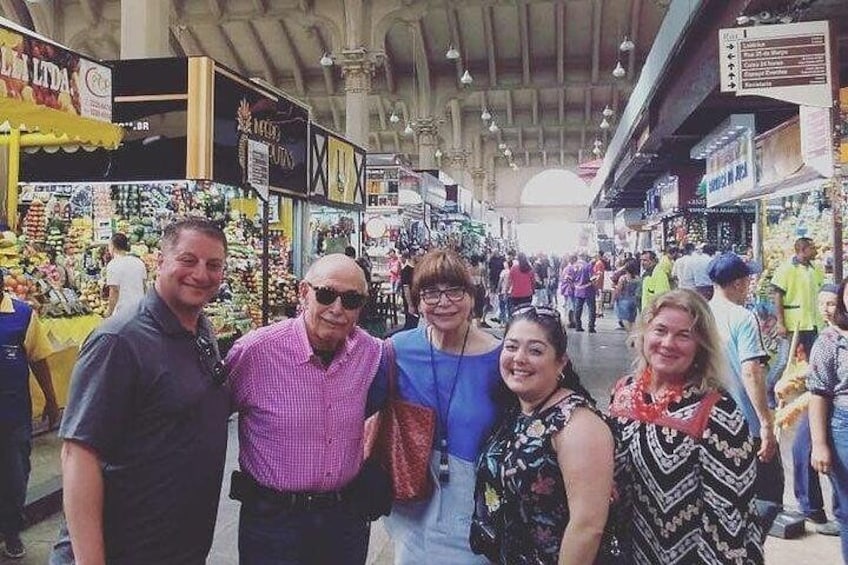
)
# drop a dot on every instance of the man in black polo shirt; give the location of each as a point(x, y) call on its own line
point(145, 429)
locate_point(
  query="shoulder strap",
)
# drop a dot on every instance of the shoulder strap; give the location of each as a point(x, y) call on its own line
point(391, 366)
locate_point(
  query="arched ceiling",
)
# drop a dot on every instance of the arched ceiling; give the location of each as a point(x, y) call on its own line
point(541, 67)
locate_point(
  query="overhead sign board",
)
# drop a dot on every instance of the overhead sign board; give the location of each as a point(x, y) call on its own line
point(790, 62)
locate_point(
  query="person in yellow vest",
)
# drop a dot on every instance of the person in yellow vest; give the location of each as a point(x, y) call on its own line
point(654, 278)
point(795, 286)
point(23, 346)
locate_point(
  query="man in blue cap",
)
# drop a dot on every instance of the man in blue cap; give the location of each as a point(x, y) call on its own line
point(746, 355)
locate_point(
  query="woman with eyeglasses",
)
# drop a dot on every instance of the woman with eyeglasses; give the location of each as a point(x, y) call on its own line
point(685, 460)
point(544, 480)
point(450, 365)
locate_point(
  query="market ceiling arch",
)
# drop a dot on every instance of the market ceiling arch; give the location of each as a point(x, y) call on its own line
point(542, 68)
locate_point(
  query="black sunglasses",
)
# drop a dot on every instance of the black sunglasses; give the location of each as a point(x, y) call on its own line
point(210, 360)
point(351, 300)
point(538, 311)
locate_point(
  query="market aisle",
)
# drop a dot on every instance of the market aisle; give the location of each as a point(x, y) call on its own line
point(599, 359)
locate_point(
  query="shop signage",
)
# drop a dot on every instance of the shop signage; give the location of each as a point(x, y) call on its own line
point(816, 136)
point(730, 170)
point(243, 114)
point(257, 167)
point(668, 189)
point(778, 153)
point(48, 75)
point(790, 62)
point(337, 169)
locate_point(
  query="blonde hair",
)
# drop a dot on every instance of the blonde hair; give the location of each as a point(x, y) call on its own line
point(709, 368)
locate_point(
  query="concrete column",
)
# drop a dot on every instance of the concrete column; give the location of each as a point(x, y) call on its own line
point(357, 69)
point(478, 176)
point(145, 28)
point(456, 123)
point(428, 139)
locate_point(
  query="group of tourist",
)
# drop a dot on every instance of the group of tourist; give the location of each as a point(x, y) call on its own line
point(524, 467)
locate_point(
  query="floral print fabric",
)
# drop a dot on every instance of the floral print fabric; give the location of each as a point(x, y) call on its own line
point(520, 490)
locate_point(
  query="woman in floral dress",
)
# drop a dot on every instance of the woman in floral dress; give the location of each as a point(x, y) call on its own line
point(544, 479)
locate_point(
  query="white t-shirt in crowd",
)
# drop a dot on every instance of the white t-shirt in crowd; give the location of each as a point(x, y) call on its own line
point(128, 273)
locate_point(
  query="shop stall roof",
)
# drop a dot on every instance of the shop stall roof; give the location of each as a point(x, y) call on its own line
point(38, 94)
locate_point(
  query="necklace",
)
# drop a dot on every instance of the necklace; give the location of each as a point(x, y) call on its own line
point(444, 470)
point(650, 411)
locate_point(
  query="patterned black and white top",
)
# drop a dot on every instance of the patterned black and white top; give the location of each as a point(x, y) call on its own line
point(686, 481)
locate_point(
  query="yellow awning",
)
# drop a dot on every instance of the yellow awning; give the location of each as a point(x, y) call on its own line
point(84, 131)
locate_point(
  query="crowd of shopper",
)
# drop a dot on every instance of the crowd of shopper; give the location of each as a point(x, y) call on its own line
point(523, 466)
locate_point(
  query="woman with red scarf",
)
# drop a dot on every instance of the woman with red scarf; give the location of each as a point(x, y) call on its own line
point(685, 462)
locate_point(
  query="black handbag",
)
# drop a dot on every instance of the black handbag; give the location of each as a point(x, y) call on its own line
point(370, 492)
point(483, 539)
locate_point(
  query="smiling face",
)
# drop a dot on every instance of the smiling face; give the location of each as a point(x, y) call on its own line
point(529, 363)
point(190, 271)
point(327, 326)
point(827, 306)
point(670, 345)
point(452, 310)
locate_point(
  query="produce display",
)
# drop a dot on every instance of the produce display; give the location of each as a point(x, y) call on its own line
point(73, 224)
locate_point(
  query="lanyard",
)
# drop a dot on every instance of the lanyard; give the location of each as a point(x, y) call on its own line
point(444, 471)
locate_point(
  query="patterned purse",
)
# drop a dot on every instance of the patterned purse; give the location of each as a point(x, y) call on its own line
point(402, 439)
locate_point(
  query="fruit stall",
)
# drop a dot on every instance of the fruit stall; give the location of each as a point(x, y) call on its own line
point(239, 158)
point(50, 98)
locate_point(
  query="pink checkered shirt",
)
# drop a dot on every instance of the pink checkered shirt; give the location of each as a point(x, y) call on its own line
point(300, 424)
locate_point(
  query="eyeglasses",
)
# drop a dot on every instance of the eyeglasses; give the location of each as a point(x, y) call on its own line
point(351, 300)
point(432, 296)
point(209, 359)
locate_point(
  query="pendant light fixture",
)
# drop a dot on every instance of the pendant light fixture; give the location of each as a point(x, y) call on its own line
point(607, 113)
point(394, 118)
point(326, 60)
point(618, 71)
point(408, 130)
point(452, 54)
point(466, 78)
point(627, 45)
point(605, 124)
point(486, 115)
point(493, 127)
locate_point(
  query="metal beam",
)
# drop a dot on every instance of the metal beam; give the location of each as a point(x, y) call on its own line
point(264, 58)
point(559, 15)
point(491, 48)
point(596, 39)
point(509, 116)
point(524, 34)
point(635, 16)
point(456, 41)
point(297, 70)
point(398, 147)
point(561, 106)
point(337, 119)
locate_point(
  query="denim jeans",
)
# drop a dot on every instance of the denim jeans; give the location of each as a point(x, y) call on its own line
point(807, 486)
point(271, 535)
point(15, 448)
point(839, 471)
point(776, 368)
point(578, 310)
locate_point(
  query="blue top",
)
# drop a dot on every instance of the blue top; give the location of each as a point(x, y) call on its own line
point(473, 409)
point(743, 342)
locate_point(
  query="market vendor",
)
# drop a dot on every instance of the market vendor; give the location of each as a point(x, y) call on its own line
point(23, 346)
point(126, 277)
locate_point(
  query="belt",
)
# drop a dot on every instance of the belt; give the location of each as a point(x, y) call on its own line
point(244, 488)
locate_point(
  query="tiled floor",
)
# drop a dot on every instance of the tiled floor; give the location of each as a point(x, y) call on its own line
point(599, 359)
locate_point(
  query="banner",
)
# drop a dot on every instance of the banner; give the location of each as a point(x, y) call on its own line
point(341, 171)
point(243, 114)
point(48, 75)
point(730, 170)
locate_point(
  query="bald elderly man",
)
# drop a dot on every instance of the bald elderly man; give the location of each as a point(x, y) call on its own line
point(300, 388)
